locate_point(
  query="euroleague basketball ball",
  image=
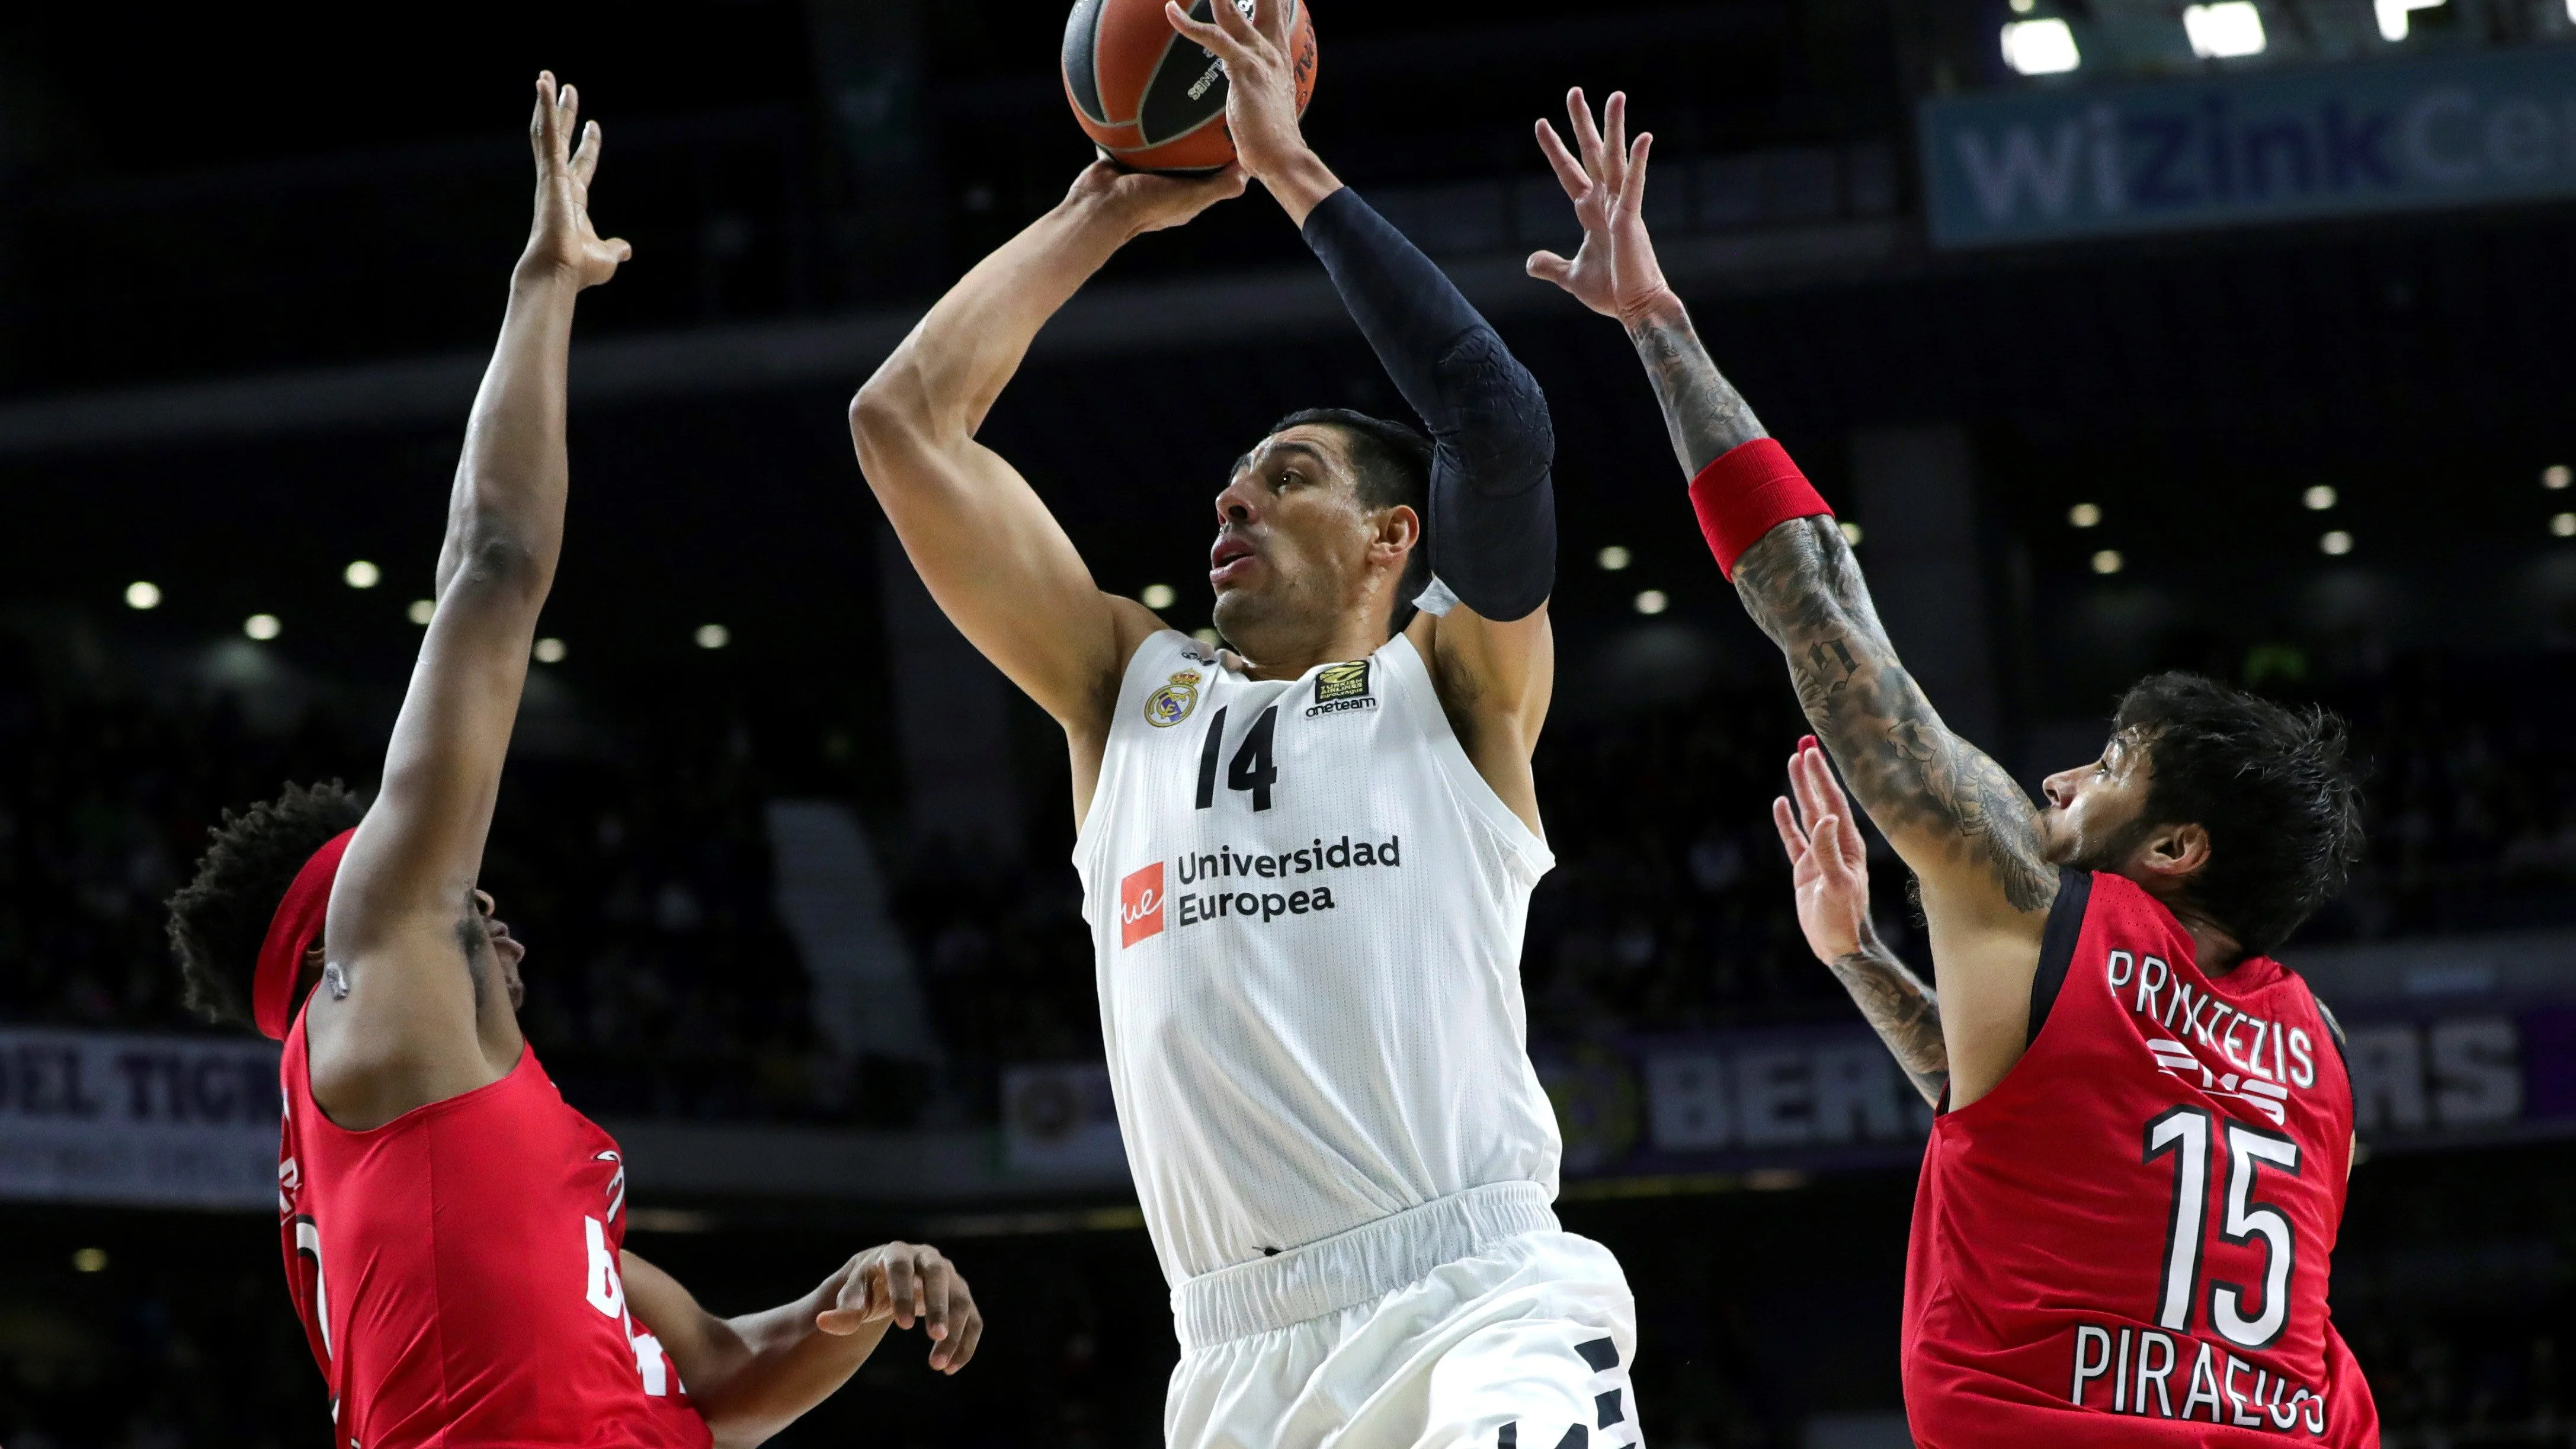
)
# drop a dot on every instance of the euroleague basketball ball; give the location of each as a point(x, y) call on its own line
point(1151, 100)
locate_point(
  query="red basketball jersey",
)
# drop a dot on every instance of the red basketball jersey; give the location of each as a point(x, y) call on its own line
point(456, 1271)
point(2127, 1241)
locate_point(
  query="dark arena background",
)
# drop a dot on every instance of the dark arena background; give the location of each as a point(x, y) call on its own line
point(2285, 403)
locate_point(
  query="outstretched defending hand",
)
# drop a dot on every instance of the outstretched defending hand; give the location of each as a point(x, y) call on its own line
point(562, 240)
point(904, 1282)
point(1615, 272)
point(1261, 98)
point(1828, 864)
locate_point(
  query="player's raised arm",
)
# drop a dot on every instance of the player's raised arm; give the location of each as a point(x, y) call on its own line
point(1493, 514)
point(993, 556)
point(1829, 875)
point(410, 1010)
point(1955, 817)
point(754, 1375)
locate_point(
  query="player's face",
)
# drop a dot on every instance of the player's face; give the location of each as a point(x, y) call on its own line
point(507, 950)
point(1294, 545)
point(2095, 811)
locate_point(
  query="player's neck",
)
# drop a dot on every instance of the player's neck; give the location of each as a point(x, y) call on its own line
point(1288, 658)
point(2214, 949)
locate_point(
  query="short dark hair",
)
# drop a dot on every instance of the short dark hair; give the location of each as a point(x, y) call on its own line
point(218, 920)
point(1394, 466)
point(2273, 787)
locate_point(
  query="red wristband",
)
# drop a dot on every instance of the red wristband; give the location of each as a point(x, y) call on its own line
point(1750, 490)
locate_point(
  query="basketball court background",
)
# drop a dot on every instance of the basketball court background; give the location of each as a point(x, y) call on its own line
point(2253, 363)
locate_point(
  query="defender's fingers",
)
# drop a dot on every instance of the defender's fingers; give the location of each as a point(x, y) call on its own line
point(585, 158)
point(1632, 190)
point(1828, 841)
point(567, 121)
point(542, 125)
point(1569, 171)
point(1813, 801)
point(902, 1289)
point(1614, 126)
point(936, 1282)
point(1587, 137)
point(1271, 16)
point(1549, 267)
point(968, 1336)
point(1792, 839)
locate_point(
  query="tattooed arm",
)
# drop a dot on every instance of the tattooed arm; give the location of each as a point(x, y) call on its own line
point(1829, 875)
point(1967, 831)
point(1903, 1009)
point(1704, 413)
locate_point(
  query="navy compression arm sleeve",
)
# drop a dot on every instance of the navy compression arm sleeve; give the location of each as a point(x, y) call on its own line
point(1493, 509)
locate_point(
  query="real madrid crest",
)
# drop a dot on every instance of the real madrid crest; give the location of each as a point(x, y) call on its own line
point(1172, 703)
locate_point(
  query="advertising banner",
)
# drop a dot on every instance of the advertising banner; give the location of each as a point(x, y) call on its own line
point(2444, 1073)
point(148, 1121)
point(2249, 148)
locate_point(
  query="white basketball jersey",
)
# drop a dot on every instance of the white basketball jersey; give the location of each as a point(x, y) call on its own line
point(1308, 909)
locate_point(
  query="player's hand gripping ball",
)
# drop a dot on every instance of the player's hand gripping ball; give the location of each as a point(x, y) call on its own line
point(1151, 100)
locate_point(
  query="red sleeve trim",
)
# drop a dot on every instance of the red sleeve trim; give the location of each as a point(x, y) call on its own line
point(1750, 490)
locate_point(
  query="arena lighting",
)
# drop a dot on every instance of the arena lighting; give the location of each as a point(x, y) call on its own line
point(2040, 47)
point(2319, 498)
point(2564, 525)
point(2024, 7)
point(1851, 533)
point(713, 636)
point(1209, 637)
point(1652, 601)
point(2108, 561)
point(2394, 15)
point(421, 611)
point(142, 595)
point(2557, 475)
point(262, 627)
point(90, 1260)
point(2336, 543)
point(1158, 596)
point(2225, 30)
point(362, 575)
point(549, 651)
point(1614, 557)
point(2084, 515)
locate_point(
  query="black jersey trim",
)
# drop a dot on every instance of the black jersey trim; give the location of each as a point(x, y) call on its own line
point(2057, 945)
point(2334, 1030)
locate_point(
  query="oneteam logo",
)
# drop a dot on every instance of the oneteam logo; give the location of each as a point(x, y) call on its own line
point(1140, 905)
point(1341, 687)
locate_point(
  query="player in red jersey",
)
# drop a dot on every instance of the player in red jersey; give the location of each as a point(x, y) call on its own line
point(2131, 1196)
point(453, 1231)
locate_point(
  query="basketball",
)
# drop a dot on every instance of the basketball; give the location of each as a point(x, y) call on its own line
point(1151, 100)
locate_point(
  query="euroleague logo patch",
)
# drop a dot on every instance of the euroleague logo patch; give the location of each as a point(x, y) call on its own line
point(1173, 703)
point(1342, 687)
point(1140, 905)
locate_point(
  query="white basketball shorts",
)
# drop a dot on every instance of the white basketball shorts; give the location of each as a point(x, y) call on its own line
point(1502, 1333)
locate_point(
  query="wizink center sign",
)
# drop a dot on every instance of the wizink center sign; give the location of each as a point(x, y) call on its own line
point(2270, 146)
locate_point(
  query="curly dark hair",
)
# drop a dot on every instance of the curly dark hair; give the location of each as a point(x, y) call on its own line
point(219, 919)
point(2273, 787)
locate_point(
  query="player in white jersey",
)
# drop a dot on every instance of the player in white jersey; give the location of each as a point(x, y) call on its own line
point(1307, 858)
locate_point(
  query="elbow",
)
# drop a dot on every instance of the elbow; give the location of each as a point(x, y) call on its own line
point(1505, 433)
point(884, 419)
point(502, 562)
